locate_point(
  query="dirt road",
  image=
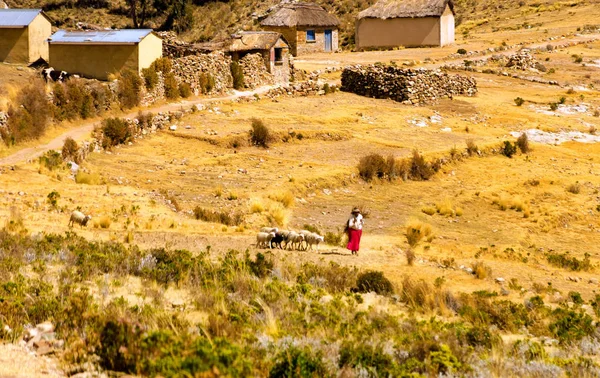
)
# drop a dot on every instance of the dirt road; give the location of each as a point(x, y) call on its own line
point(82, 131)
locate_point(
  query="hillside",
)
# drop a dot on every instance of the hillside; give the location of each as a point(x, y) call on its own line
point(202, 20)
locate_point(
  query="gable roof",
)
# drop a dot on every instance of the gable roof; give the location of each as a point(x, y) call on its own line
point(300, 14)
point(407, 9)
point(100, 37)
point(18, 18)
point(254, 40)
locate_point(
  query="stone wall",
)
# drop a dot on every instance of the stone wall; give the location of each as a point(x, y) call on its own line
point(217, 64)
point(255, 71)
point(409, 86)
point(3, 125)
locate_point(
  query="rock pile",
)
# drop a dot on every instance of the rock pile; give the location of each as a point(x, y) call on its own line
point(255, 71)
point(42, 339)
point(409, 86)
point(523, 61)
point(189, 69)
point(3, 125)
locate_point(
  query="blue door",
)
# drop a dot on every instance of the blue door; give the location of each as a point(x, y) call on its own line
point(328, 40)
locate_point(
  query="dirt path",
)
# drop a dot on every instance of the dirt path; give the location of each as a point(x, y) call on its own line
point(18, 362)
point(82, 131)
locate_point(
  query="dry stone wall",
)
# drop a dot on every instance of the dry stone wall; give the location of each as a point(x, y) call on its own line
point(409, 86)
point(255, 71)
point(189, 68)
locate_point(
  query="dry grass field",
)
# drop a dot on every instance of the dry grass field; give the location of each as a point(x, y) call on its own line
point(504, 217)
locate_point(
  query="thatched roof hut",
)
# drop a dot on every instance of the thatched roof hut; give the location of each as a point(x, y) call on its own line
point(249, 40)
point(385, 9)
point(409, 23)
point(300, 14)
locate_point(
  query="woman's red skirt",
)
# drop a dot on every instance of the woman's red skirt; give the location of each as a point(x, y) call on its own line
point(354, 239)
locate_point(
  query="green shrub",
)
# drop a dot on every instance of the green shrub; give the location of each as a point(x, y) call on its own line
point(472, 148)
point(508, 149)
point(150, 78)
point(206, 82)
point(185, 90)
point(70, 150)
point(368, 357)
point(571, 325)
point(116, 131)
point(171, 86)
point(51, 160)
point(238, 75)
point(80, 101)
point(553, 106)
point(259, 134)
point(461, 51)
point(226, 218)
point(260, 266)
point(566, 261)
point(28, 117)
point(171, 266)
point(443, 361)
point(129, 90)
point(298, 362)
point(374, 281)
point(53, 198)
point(519, 101)
point(333, 238)
point(523, 143)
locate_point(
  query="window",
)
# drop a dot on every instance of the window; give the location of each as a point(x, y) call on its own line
point(278, 56)
point(310, 36)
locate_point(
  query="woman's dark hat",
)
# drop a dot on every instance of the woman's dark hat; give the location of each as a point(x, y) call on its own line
point(356, 210)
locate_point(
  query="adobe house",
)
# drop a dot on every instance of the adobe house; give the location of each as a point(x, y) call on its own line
point(307, 27)
point(409, 23)
point(99, 53)
point(23, 35)
point(271, 45)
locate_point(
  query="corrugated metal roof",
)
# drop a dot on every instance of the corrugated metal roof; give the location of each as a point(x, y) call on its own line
point(102, 37)
point(17, 18)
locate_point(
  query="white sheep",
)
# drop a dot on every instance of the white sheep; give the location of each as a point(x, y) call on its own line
point(294, 239)
point(80, 218)
point(263, 239)
point(313, 239)
point(269, 229)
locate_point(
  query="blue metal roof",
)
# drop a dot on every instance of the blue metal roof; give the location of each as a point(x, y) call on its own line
point(101, 37)
point(17, 18)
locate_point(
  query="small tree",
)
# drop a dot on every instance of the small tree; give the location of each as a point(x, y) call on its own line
point(523, 143)
point(70, 150)
point(508, 149)
point(238, 75)
point(259, 134)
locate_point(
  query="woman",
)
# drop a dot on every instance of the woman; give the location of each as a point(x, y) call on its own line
point(354, 227)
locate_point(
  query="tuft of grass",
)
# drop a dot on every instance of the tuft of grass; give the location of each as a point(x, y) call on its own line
point(88, 178)
point(429, 210)
point(410, 257)
point(260, 134)
point(256, 207)
point(472, 148)
point(445, 208)
point(417, 231)
point(286, 198)
point(102, 222)
point(277, 215)
point(226, 218)
point(574, 188)
point(519, 101)
point(523, 143)
point(218, 191)
point(481, 271)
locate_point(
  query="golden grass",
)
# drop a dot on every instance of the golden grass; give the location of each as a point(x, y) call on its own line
point(417, 231)
point(445, 207)
point(286, 198)
point(256, 207)
point(88, 178)
point(103, 222)
point(277, 215)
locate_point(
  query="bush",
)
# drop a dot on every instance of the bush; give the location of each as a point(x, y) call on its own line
point(472, 148)
point(129, 89)
point(171, 87)
point(298, 362)
point(259, 134)
point(519, 101)
point(372, 166)
point(333, 238)
point(80, 101)
point(228, 219)
point(51, 160)
point(553, 106)
point(571, 325)
point(185, 90)
point(238, 75)
point(566, 261)
point(260, 266)
point(30, 114)
point(416, 232)
point(374, 281)
point(116, 131)
point(53, 198)
point(523, 143)
point(88, 178)
point(508, 149)
point(419, 168)
point(461, 51)
point(70, 150)
point(574, 188)
point(577, 58)
point(150, 78)
point(481, 271)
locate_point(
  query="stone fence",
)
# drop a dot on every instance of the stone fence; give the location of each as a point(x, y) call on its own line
point(409, 86)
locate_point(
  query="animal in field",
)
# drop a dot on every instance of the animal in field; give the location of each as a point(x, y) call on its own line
point(79, 218)
point(269, 229)
point(294, 240)
point(277, 240)
point(263, 239)
point(50, 74)
point(313, 239)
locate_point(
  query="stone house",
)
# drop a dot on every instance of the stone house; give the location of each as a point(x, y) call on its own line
point(271, 45)
point(409, 23)
point(23, 35)
point(307, 27)
point(98, 53)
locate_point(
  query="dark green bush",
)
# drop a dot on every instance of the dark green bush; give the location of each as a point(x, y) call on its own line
point(171, 86)
point(461, 51)
point(30, 114)
point(51, 160)
point(566, 261)
point(259, 134)
point(368, 357)
point(150, 78)
point(185, 90)
point(116, 131)
point(374, 281)
point(260, 266)
point(238, 75)
point(70, 150)
point(171, 266)
point(519, 101)
point(130, 85)
point(298, 362)
point(508, 149)
point(571, 325)
point(206, 82)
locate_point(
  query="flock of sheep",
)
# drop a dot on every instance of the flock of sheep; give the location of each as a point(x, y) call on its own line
point(301, 240)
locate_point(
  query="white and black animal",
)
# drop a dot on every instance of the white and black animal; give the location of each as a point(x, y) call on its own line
point(263, 239)
point(313, 239)
point(79, 218)
point(50, 74)
point(269, 229)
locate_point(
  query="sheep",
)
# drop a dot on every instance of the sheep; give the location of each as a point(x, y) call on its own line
point(277, 240)
point(312, 239)
point(269, 229)
point(305, 233)
point(294, 239)
point(80, 218)
point(263, 239)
